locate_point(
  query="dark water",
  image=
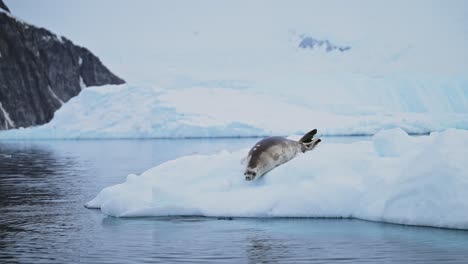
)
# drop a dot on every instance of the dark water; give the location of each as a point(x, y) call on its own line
point(44, 184)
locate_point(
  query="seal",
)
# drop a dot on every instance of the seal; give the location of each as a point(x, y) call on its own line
point(271, 152)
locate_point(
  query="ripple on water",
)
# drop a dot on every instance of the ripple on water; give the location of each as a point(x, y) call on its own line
point(44, 185)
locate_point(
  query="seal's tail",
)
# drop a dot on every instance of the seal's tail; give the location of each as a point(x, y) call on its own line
point(307, 138)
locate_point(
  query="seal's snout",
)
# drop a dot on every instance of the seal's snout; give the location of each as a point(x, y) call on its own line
point(250, 175)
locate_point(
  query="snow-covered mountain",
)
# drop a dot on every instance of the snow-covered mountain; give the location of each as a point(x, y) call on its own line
point(40, 71)
point(312, 43)
point(237, 68)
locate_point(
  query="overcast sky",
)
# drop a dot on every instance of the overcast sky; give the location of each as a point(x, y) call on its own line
point(137, 37)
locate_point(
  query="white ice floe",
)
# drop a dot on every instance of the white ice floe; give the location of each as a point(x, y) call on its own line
point(393, 178)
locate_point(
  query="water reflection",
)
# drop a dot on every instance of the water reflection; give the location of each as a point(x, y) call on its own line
point(35, 185)
point(44, 185)
point(264, 249)
point(37, 168)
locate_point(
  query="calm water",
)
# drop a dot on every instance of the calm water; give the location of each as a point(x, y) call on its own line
point(44, 184)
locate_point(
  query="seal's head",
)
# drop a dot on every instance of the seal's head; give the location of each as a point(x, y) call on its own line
point(250, 175)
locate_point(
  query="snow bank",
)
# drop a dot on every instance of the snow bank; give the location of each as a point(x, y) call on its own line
point(143, 111)
point(393, 178)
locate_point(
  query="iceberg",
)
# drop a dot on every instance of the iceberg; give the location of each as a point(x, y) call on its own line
point(394, 177)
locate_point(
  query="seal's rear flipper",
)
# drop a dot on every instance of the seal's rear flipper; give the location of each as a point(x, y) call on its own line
point(312, 144)
point(307, 138)
point(315, 142)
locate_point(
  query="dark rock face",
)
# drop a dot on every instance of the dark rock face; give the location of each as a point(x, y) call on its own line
point(39, 71)
point(3, 6)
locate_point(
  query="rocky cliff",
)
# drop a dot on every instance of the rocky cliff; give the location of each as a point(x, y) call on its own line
point(40, 71)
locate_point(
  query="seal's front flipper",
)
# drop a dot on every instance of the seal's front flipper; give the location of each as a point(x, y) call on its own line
point(307, 138)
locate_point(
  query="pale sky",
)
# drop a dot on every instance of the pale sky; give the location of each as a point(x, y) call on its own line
point(230, 39)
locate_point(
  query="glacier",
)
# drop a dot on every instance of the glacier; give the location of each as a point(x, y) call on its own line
point(394, 177)
point(147, 111)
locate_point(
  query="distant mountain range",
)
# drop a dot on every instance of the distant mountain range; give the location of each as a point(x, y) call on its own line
point(312, 43)
point(40, 71)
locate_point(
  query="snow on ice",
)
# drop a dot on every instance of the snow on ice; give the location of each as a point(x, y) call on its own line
point(393, 178)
